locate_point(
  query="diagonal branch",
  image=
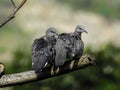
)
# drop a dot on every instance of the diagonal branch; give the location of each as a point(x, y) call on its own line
point(30, 76)
point(12, 15)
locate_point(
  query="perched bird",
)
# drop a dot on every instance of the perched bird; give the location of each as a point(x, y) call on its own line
point(69, 46)
point(63, 48)
point(78, 44)
point(2, 69)
point(43, 49)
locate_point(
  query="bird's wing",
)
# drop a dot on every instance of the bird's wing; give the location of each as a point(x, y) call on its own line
point(60, 52)
point(78, 48)
point(39, 63)
point(81, 48)
point(39, 51)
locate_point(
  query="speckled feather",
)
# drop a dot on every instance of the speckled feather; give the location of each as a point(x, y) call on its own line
point(43, 50)
point(69, 46)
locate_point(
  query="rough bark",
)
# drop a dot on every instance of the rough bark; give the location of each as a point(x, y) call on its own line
point(48, 72)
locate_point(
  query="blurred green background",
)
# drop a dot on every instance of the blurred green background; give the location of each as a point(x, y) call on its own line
point(101, 18)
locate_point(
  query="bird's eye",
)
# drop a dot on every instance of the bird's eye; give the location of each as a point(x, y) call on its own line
point(52, 31)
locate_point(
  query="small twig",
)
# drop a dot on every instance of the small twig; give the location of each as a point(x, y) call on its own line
point(12, 15)
point(30, 76)
point(13, 4)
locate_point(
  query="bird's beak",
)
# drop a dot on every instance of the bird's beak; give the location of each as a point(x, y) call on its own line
point(85, 31)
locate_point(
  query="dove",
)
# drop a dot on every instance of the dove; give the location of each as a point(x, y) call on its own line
point(43, 49)
point(69, 46)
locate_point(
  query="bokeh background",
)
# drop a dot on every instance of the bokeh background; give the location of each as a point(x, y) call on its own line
point(101, 18)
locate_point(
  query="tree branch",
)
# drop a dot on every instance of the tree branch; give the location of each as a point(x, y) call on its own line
point(48, 72)
point(12, 15)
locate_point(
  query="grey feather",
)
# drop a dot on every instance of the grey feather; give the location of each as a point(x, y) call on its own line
point(69, 46)
point(43, 50)
point(78, 43)
point(63, 48)
point(60, 52)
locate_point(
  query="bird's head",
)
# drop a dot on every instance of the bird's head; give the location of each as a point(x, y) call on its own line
point(80, 29)
point(51, 32)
